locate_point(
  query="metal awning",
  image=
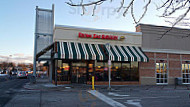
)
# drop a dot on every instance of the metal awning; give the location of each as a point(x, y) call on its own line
point(78, 51)
point(126, 53)
point(87, 51)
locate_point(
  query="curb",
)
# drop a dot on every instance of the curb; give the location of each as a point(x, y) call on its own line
point(31, 88)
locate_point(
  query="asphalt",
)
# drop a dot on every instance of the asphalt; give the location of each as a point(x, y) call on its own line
point(8, 88)
point(45, 94)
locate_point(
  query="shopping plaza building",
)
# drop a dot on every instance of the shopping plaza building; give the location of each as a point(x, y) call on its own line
point(145, 57)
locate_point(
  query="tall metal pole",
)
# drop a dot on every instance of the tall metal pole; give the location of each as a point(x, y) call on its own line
point(51, 61)
point(109, 67)
point(35, 43)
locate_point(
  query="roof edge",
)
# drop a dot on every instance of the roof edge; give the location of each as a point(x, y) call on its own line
point(161, 26)
point(95, 29)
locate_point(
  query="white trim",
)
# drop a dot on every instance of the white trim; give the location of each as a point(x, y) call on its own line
point(70, 50)
point(124, 54)
point(60, 44)
point(117, 53)
point(99, 52)
point(97, 30)
point(185, 83)
point(63, 50)
point(85, 51)
point(106, 99)
point(165, 51)
point(133, 50)
point(92, 51)
point(187, 72)
point(130, 54)
point(140, 52)
point(164, 64)
point(161, 83)
point(112, 57)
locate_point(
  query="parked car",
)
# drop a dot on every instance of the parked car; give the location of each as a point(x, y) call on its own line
point(22, 74)
point(14, 72)
point(4, 71)
point(1, 71)
point(30, 72)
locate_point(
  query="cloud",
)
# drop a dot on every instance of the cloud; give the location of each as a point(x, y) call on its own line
point(19, 54)
point(17, 58)
point(3, 57)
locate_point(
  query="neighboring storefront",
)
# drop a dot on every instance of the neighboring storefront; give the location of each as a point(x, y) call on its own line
point(169, 56)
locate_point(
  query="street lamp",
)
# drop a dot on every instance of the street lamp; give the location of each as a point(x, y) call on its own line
point(109, 66)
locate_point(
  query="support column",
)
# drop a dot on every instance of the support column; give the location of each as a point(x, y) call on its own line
point(56, 72)
point(50, 70)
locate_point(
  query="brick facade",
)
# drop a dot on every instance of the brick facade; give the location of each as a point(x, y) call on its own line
point(147, 71)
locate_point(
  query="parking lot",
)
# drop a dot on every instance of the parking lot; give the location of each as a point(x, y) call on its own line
point(149, 96)
point(119, 96)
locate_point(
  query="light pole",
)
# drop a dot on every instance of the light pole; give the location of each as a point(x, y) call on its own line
point(109, 66)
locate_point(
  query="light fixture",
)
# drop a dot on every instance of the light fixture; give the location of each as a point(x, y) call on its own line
point(116, 67)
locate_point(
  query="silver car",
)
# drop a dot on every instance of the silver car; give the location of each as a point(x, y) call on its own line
point(22, 74)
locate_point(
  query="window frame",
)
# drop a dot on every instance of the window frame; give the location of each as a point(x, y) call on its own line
point(186, 70)
point(160, 74)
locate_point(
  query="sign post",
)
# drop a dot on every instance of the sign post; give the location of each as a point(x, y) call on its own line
point(109, 66)
point(109, 69)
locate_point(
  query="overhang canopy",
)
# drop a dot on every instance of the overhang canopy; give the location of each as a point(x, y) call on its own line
point(88, 51)
point(78, 51)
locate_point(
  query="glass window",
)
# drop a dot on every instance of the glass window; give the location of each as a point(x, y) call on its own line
point(62, 71)
point(101, 72)
point(134, 71)
point(126, 72)
point(90, 72)
point(119, 71)
point(186, 73)
point(116, 71)
point(161, 73)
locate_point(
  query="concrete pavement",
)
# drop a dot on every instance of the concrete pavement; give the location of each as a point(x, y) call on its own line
point(45, 94)
point(9, 88)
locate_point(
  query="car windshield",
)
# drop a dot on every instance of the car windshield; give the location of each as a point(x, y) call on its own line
point(22, 72)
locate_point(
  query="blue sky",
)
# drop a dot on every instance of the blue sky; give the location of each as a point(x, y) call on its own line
point(17, 20)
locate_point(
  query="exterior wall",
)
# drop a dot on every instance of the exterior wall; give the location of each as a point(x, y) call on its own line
point(68, 33)
point(176, 39)
point(114, 83)
point(148, 70)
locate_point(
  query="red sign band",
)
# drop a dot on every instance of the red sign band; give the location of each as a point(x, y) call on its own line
point(96, 36)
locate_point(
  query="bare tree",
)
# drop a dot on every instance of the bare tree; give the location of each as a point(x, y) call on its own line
point(168, 8)
point(127, 8)
point(171, 7)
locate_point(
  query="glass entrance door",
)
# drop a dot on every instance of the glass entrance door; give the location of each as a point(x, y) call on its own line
point(79, 73)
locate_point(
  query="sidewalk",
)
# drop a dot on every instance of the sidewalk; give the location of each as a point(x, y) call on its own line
point(46, 94)
point(44, 84)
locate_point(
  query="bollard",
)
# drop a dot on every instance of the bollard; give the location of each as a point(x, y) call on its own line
point(92, 82)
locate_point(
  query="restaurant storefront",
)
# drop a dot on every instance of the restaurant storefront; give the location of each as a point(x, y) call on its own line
point(77, 62)
point(81, 72)
point(75, 54)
